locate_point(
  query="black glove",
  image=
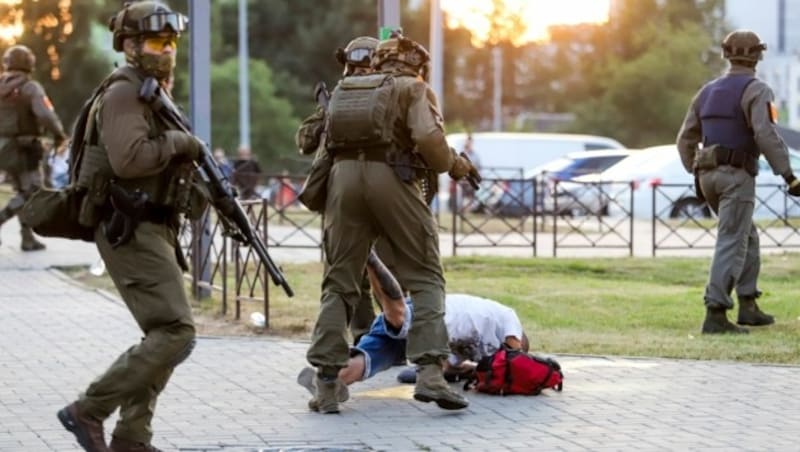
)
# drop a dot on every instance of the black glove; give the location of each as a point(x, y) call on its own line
point(794, 185)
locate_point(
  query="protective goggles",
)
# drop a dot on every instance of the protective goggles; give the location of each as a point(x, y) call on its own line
point(359, 56)
point(158, 43)
point(157, 22)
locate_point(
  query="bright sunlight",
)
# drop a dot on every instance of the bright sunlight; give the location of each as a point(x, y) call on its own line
point(535, 16)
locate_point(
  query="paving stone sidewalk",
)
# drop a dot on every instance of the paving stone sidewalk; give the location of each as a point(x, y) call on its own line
point(239, 394)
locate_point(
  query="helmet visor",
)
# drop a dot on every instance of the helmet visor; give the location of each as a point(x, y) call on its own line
point(158, 22)
point(359, 56)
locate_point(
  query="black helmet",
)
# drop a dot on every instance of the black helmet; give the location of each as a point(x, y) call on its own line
point(18, 58)
point(743, 46)
point(144, 17)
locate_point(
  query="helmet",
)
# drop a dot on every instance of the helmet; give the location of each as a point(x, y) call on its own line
point(358, 53)
point(19, 58)
point(144, 17)
point(743, 46)
point(401, 49)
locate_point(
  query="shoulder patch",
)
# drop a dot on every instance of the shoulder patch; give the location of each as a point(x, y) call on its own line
point(773, 112)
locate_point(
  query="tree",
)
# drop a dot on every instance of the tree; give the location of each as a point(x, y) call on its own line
point(644, 100)
point(68, 66)
point(298, 40)
point(273, 140)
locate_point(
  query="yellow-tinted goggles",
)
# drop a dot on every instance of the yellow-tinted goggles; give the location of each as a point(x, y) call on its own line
point(159, 43)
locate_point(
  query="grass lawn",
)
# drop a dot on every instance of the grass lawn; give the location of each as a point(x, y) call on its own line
point(632, 306)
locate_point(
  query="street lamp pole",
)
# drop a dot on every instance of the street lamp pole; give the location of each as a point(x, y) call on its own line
point(388, 17)
point(437, 52)
point(244, 78)
point(497, 101)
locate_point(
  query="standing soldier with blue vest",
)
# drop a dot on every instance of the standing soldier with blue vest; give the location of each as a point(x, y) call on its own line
point(25, 111)
point(137, 170)
point(730, 123)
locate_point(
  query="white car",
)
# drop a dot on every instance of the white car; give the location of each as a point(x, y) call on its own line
point(659, 168)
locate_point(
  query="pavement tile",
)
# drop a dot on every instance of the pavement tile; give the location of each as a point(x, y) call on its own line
point(239, 394)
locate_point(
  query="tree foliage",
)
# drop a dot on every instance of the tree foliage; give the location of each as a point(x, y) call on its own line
point(59, 34)
point(272, 134)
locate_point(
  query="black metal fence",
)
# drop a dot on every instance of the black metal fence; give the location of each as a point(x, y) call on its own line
point(535, 216)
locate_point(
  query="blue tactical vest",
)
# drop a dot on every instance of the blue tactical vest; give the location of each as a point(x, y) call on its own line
point(721, 116)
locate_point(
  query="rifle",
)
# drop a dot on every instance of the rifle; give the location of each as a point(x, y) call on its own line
point(235, 222)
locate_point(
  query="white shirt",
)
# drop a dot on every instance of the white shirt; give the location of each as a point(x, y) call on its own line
point(477, 326)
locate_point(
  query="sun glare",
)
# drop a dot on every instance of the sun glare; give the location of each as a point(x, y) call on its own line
point(536, 16)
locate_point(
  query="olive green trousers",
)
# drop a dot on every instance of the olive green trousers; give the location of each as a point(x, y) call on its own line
point(366, 200)
point(150, 281)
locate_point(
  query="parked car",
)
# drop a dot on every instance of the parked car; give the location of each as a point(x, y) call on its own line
point(509, 155)
point(517, 196)
point(660, 168)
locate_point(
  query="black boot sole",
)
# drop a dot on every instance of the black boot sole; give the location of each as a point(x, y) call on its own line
point(443, 403)
point(69, 423)
point(739, 322)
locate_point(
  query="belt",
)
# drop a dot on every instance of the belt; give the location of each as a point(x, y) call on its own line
point(733, 157)
point(367, 155)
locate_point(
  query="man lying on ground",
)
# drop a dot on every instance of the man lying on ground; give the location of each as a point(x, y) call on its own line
point(476, 327)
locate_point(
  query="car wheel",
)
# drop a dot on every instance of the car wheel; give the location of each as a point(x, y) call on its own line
point(690, 208)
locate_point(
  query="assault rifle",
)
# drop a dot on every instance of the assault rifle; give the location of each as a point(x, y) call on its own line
point(234, 220)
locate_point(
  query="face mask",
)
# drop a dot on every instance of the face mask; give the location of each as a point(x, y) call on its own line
point(159, 66)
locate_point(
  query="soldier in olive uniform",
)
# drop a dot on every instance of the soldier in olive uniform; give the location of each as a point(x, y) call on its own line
point(375, 123)
point(730, 122)
point(355, 58)
point(149, 160)
point(25, 110)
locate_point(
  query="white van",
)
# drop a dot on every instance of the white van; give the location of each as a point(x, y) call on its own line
point(510, 155)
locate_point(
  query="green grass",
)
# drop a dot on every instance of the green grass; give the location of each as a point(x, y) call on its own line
point(630, 307)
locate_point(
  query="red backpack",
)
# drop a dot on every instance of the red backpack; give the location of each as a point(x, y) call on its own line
point(515, 372)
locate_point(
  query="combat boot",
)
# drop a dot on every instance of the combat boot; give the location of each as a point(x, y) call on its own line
point(124, 445)
point(29, 242)
point(431, 387)
point(325, 399)
point(750, 314)
point(87, 430)
point(716, 322)
point(306, 379)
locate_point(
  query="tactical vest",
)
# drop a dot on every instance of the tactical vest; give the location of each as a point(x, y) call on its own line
point(721, 116)
point(16, 114)
point(362, 112)
point(169, 189)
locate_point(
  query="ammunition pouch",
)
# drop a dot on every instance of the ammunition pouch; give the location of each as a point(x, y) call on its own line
point(411, 168)
point(94, 177)
point(54, 213)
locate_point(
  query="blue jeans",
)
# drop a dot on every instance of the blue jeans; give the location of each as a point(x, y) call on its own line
point(383, 345)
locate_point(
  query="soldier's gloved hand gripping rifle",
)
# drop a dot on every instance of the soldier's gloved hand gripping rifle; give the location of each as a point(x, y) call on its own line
point(234, 220)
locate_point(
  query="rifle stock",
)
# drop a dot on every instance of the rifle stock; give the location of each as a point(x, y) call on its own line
point(234, 220)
